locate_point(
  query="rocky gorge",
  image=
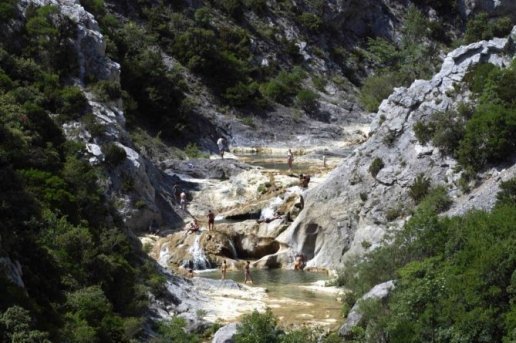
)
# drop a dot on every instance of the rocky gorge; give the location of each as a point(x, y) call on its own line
point(263, 213)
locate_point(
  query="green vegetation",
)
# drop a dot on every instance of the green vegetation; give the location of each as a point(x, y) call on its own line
point(454, 277)
point(263, 328)
point(376, 166)
point(419, 188)
point(483, 28)
point(85, 278)
point(399, 64)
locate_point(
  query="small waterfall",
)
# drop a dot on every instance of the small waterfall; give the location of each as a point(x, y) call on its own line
point(233, 250)
point(199, 259)
point(270, 210)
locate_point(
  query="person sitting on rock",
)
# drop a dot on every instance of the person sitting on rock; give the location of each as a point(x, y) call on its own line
point(194, 227)
point(305, 181)
point(277, 215)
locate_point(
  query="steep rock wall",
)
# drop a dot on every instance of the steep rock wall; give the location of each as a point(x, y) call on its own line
point(347, 214)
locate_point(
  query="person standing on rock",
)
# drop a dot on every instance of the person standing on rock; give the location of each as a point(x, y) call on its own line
point(290, 159)
point(211, 220)
point(182, 201)
point(223, 270)
point(324, 161)
point(221, 143)
point(177, 193)
point(247, 273)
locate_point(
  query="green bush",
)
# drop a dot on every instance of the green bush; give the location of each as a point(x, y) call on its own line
point(114, 155)
point(307, 99)
point(477, 76)
point(376, 166)
point(72, 102)
point(193, 151)
point(7, 10)
point(284, 86)
point(437, 200)
point(258, 328)
point(174, 331)
point(489, 136)
point(310, 21)
point(257, 6)
point(376, 88)
point(419, 188)
point(423, 132)
point(107, 90)
point(507, 193)
point(481, 27)
point(232, 7)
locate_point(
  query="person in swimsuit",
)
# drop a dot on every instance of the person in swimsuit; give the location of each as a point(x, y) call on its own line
point(290, 159)
point(221, 144)
point(211, 220)
point(247, 273)
point(182, 201)
point(223, 270)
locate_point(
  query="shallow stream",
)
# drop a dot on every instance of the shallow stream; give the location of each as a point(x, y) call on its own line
point(293, 297)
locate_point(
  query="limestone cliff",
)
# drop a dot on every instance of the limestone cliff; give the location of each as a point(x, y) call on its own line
point(347, 214)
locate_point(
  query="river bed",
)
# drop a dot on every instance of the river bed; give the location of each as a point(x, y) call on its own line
point(295, 297)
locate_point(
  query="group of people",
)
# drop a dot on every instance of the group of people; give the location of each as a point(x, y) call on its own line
point(247, 271)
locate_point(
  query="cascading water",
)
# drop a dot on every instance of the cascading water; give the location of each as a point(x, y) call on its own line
point(199, 260)
point(270, 210)
point(233, 249)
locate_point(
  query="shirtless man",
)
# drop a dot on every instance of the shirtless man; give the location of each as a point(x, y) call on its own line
point(223, 270)
point(211, 220)
point(247, 273)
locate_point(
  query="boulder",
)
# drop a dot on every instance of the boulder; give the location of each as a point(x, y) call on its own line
point(225, 334)
point(255, 247)
point(355, 316)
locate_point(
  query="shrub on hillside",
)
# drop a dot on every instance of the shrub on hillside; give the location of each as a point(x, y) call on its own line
point(419, 188)
point(507, 193)
point(481, 27)
point(114, 155)
point(310, 21)
point(71, 102)
point(489, 136)
point(376, 166)
point(477, 76)
point(307, 99)
point(376, 88)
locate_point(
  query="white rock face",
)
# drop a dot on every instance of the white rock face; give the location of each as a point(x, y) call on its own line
point(91, 47)
point(225, 334)
point(346, 214)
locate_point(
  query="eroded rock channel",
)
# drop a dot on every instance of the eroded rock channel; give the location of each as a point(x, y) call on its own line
point(254, 197)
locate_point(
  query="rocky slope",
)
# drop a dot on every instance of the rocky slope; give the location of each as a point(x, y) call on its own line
point(347, 214)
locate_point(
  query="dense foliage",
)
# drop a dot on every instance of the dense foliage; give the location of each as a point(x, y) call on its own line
point(477, 136)
point(455, 278)
point(84, 278)
point(398, 64)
